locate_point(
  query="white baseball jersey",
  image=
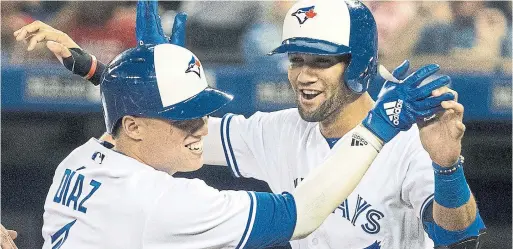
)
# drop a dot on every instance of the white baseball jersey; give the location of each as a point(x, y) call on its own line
point(102, 199)
point(281, 149)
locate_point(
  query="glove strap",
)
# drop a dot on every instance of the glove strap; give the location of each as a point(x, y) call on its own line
point(381, 128)
point(85, 65)
point(92, 70)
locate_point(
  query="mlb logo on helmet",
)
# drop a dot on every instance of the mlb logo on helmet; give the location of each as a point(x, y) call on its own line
point(194, 66)
point(303, 14)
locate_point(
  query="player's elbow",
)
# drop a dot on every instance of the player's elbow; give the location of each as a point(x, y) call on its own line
point(300, 235)
point(304, 227)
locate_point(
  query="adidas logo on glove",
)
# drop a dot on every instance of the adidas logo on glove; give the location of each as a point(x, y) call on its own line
point(393, 109)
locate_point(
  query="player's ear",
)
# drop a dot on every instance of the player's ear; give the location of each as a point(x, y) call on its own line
point(133, 127)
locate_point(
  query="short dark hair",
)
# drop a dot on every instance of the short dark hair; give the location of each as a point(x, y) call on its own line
point(117, 129)
point(346, 58)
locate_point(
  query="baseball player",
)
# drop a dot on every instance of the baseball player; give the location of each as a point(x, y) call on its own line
point(417, 186)
point(155, 100)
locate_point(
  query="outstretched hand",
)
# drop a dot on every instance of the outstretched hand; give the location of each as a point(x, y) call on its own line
point(56, 41)
point(63, 47)
point(71, 55)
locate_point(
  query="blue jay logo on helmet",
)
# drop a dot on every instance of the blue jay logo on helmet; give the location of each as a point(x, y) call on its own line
point(149, 79)
point(303, 14)
point(354, 33)
point(194, 66)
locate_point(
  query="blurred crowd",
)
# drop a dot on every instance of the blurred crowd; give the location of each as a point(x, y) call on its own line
point(460, 35)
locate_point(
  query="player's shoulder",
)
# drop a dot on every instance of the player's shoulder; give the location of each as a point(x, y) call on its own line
point(192, 187)
point(194, 197)
point(196, 191)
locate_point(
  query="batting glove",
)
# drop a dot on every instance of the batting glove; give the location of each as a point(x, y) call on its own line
point(401, 104)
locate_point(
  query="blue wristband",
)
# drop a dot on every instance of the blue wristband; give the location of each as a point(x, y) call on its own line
point(442, 237)
point(451, 188)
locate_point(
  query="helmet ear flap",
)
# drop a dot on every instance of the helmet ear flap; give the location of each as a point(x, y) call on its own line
point(360, 83)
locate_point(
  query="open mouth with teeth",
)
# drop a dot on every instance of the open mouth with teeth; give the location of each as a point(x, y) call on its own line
point(309, 94)
point(196, 147)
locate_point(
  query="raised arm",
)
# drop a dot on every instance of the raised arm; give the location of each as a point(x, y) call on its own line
point(455, 220)
point(74, 58)
point(329, 184)
point(71, 55)
point(258, 220)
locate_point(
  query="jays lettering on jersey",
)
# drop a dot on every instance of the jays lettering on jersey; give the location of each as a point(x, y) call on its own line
point(100, 198)
point(281, 149)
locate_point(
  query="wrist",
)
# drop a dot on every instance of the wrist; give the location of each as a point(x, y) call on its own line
point(379, 127)
point(85, 65)
point(442, 169)
point(451, 188)
point(369, 136)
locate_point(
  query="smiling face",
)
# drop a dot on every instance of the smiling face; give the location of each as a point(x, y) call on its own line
point(318, 84)
point(174, 146)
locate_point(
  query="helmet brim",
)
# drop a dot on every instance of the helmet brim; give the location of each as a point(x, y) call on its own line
point(310, 46)
point(202, 104)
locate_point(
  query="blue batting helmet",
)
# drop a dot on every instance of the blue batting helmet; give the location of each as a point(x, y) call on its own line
point(156, 79)
point(334, 27)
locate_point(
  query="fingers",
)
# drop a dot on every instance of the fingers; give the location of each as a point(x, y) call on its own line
point(454, 113)
point(38, 31)
point(400, 71)
point(35, 39)
point(178, 33)
point(418, 76)
point(432, 102)
point(6, 239)
point(443, 90)
point(454, 106)
point(29, 28)
point(428, 114)
point(426, 90)
point(13, 234)
point(59, 50)
point(47, 35)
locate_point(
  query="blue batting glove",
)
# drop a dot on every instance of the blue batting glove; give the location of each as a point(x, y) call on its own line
point(400, 71)
point(401, 104)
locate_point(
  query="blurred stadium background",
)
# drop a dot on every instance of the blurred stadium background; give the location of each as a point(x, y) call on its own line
point(46, 112)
